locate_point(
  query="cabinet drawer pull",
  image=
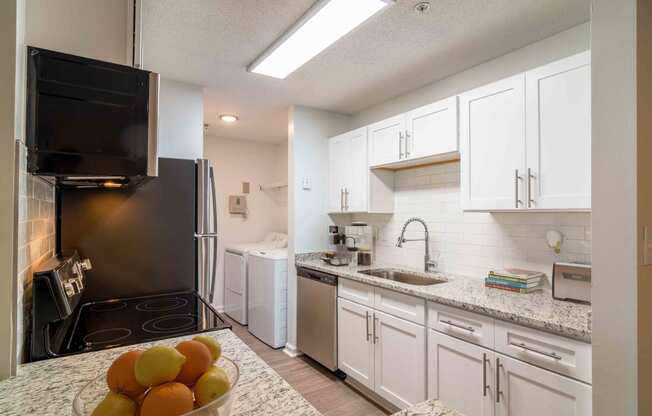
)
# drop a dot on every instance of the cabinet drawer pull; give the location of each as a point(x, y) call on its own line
point(407, 144)
point(453, 324)
point(341, 199)
point(400, 145)
point(375, 320)
point(517, 201)
point(367, 321)
point(484, 374)
point(530, 176)
point(498, 367)
point(552, 355)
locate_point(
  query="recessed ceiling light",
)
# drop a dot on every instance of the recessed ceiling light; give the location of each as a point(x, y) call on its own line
point(228, 118)
point(326, 22)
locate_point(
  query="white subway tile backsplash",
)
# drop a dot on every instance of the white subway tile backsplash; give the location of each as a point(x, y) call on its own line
point(472, 243)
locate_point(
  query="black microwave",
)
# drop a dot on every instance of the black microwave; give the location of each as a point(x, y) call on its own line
point(90, 122)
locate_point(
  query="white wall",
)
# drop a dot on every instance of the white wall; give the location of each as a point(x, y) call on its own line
point(561, 45)
point(614, 200)
point(181, 120)
point(90, 28)
point(308, 131)
point(237, 161)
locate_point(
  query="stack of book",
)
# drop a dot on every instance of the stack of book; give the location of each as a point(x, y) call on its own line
point(515, 280)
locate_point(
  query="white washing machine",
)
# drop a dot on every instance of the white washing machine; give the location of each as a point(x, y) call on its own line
point(268, 276)
point(235, 273)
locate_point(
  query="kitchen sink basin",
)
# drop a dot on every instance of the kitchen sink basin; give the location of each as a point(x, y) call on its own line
point(402, 276)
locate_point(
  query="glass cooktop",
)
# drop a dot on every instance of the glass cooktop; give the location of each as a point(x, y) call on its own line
point(114, 323)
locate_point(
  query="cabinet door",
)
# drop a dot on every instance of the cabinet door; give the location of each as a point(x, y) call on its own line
point(432, 129)
point(461, 375)
point(492, 139)
point(400, 360)
point(524, 389)
point(355, 348)
point(356, 181)
point(387, 139)
point(338, 149)
point(559, 134)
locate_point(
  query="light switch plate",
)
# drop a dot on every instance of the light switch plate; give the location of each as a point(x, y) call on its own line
point(306, 185)
point(647, 246)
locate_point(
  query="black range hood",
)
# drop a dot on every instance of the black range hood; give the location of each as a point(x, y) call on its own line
point(90, 123)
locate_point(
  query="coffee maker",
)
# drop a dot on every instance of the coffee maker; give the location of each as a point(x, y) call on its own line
point(338, 255)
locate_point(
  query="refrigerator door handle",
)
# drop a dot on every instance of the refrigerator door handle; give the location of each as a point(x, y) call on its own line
point(214, 238)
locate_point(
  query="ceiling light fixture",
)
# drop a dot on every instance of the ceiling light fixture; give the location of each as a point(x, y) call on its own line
point(228, 118)
point(326, 22)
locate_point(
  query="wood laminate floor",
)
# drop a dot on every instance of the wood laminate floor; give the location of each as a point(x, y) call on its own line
point(328, 394)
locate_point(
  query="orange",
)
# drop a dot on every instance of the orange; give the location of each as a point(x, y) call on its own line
point(198, 360)
point(169, 399)
point(121, 377)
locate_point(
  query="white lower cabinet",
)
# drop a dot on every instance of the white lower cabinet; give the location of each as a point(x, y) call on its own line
point(383, 353)
point(461, 375)
point(400, 360)
point(355, 347)
point(526, 390)
point(477, 381)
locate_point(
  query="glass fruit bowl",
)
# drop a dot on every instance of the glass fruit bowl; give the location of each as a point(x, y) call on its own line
point(87, 399)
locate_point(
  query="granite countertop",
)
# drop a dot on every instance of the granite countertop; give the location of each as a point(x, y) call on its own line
point(46, 388)
point(429, 408)
point(535, 310)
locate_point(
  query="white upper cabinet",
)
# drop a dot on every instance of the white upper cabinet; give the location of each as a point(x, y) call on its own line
point(349, 173)
point(386, 141)
point(559, 134)
point(426, 134)
point(432, 129)
point(526, 140)
point(492, 131)
point(352, 187)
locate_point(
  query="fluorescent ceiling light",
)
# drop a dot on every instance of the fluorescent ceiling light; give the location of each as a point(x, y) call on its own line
point(325, 23)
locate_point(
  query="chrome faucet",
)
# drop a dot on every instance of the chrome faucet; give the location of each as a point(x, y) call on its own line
point(429, 264)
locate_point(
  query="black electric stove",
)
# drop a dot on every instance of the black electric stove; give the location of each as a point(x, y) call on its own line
point(114, 323)
point(63, 325)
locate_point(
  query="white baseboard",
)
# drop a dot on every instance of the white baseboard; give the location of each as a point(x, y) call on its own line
point(291, 350)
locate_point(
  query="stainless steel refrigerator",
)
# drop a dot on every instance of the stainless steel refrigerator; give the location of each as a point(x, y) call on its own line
point(155, 238)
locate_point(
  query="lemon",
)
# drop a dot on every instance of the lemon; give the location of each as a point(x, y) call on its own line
point(212, 385)
point(115, 404)
point(158, 365)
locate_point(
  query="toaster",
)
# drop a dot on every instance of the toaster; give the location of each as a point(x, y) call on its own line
point(572, 281)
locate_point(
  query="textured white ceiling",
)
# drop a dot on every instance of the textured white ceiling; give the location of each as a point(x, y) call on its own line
point(211, 42)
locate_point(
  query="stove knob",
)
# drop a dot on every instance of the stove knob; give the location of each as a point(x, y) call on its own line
point(86, 264)
point(69, 288)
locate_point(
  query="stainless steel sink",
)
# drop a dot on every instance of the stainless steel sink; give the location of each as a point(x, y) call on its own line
point(411, 278)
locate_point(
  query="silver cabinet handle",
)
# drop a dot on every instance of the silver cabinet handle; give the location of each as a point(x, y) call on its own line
point(498, 367)
point(484, 374)
point(367, 322)
point(341, 199)
point(407, 144)
point(400, 145)
point(552, 355)
point(375, 320)
point(453, 324)
point(346, 199)
point(516, 179)
point(530, 176)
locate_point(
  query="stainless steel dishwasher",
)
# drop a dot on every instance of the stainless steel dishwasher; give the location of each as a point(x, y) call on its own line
point(317, 316)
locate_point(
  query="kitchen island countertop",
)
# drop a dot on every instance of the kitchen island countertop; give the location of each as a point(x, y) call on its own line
point(428, 408)
point(47, 388)
point(535, 310)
